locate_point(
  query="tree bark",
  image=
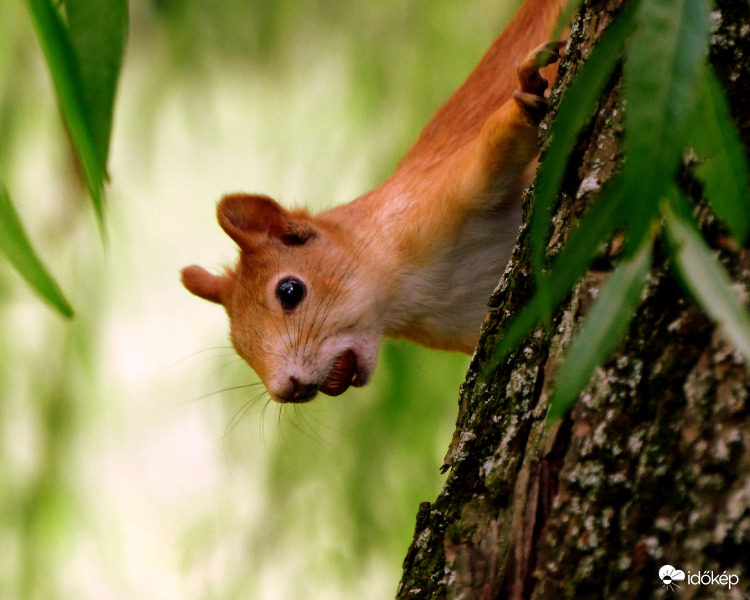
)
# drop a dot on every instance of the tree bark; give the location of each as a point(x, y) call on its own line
point(652, 465)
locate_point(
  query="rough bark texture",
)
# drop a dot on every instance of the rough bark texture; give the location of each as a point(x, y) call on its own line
point(651, 467)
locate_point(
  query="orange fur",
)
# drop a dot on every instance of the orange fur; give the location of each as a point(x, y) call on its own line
point(312, 296)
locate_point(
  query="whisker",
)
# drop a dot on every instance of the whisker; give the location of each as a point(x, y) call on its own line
point(302, 327)
point(235, 358)
point(303, 414)
point(322, 301)
point(233, 388)
point(262, 422)
point(285, 340)
point(310, 415)
point(242, 412)
point(329, 298)
point(279, 427)
point(191, 356)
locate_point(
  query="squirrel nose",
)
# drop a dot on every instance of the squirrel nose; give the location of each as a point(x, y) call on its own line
point(298, 391)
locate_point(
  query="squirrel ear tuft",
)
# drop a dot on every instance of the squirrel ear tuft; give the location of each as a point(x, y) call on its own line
point(204, 284)
point(250, 220)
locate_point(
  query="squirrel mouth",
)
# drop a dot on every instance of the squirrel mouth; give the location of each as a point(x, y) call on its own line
point(343, 373)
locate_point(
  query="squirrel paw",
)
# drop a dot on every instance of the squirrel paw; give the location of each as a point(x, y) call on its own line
point(530, 97)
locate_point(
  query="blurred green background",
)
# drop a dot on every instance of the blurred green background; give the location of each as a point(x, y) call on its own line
point(138, 456)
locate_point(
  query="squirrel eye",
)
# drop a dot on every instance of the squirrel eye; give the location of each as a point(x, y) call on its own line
point(290, 293)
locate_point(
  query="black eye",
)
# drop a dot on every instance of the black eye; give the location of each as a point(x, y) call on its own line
point(290, 293)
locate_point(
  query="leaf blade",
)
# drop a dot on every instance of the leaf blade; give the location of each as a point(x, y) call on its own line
point(97, 32)
point(576, 108)
point(724, 173)
point(16, 246)
point(64, 69)
point(706, 279)
point(595, 226)
point(662, 73)
point(602, 330)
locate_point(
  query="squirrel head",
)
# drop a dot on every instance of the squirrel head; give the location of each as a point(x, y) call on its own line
point(299, 302)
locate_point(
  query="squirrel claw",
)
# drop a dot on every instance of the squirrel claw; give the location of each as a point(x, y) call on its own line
point(530, 97)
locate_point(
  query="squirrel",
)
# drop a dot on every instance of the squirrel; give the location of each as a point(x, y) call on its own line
point(312, 296)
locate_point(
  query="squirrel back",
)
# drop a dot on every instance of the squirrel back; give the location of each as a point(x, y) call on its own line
point(491, 83)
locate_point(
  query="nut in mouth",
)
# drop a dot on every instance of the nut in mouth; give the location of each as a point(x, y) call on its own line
point(343, 373)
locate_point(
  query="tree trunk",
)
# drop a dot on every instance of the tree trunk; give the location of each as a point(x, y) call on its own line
point(652, 465)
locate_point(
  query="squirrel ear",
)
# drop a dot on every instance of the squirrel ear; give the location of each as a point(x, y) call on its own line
point(251, 219)
point(203, 284)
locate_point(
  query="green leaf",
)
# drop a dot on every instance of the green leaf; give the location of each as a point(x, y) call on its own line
point(575, 110)
point(662, 76)
point(67, 78)
point(604, 327)
point(97, 31)
point(594, 228)
point(705, 278)
point(724, 173)
point(15, 245)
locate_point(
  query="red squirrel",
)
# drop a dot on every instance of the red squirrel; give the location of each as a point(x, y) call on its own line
point(312, 296)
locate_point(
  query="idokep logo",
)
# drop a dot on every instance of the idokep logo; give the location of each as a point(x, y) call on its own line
point(670, 576)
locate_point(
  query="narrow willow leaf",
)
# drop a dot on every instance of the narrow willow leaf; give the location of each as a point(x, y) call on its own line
point(15, 245)
point(66, 76)
point(97, 31)
point(662, 75)
point(724, 173)
point(604, 327)
point(577, 106)
point(706, 279)
point(595, 227)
